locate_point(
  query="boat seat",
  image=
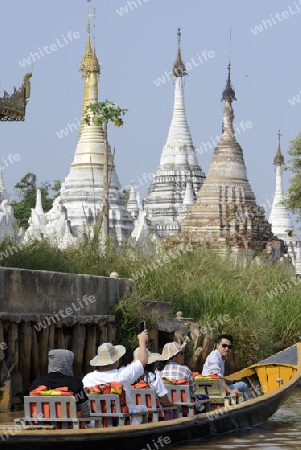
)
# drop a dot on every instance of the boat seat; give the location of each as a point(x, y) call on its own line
point(179, 394)
point(147, 396)
point(56, 411)
point(108, 410)
point(216, 391)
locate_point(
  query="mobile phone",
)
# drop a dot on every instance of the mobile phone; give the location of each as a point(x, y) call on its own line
point(142, 326)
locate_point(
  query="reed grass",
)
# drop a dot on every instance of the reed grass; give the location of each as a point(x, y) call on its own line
point(261, 300)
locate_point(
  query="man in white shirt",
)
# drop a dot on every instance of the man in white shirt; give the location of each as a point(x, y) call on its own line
point(215, 364)
point(106, 364)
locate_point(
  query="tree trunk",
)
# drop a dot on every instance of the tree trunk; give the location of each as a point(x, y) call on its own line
point(105, 183)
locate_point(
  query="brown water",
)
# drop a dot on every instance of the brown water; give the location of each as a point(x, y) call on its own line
point(282, 431)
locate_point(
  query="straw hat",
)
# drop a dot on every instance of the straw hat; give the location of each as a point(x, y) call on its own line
point(108, 354)
point(171, 349)
point(152, 357)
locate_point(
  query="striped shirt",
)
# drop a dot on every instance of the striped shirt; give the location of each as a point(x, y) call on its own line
point(175, 371)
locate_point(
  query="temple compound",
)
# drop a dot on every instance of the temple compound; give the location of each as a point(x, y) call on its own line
point(178, 178)
point(79, 204)
point(225, 213)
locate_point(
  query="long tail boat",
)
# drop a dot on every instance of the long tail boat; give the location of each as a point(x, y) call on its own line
point(270, 382)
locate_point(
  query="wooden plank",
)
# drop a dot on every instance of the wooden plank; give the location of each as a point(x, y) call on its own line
point(286, 373)
point(263, 379)
point(25, 344)
point(273, 375)
point(12, 345)
point(35, 355)
point(91, 347)
point(78, 345)
point(44, 349)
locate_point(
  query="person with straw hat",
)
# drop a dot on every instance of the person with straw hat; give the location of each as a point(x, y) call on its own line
point(106, 364)
point(153, 378)
point(172, 366)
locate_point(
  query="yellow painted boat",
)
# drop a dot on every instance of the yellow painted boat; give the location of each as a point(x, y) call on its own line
point(270, 381)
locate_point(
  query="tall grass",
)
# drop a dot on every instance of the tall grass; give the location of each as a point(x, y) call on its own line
point(261, 301)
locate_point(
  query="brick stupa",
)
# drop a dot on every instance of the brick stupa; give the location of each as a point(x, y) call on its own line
point(225, 213)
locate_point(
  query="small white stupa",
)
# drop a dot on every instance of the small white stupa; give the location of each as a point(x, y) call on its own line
point(7, 220)
point(280, 217)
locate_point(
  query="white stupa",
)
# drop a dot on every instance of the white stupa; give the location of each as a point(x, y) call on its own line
point(280, 217)
point(179, 177)
point(7, 221)
point(81, 198)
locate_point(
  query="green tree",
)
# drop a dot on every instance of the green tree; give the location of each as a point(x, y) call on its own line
point(26, 193)
point(293, 194)
point(101, 113)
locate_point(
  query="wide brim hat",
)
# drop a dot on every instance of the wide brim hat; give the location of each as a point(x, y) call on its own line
point(107, 354)
point(171, 349)
point(152, 357)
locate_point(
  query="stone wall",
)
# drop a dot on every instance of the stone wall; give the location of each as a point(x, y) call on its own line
point(41, 310)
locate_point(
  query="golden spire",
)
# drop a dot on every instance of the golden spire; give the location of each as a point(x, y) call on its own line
point(89, 62)
point(279, 159)
point(179, 69)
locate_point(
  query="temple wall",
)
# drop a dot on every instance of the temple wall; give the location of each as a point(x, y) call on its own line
point(41, 310)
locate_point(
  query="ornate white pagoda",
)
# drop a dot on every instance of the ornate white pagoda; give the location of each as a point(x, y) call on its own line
point(179, 177)
point(280, 218)
point(81, 198)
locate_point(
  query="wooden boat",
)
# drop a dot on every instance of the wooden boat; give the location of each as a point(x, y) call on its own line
point(273, 380)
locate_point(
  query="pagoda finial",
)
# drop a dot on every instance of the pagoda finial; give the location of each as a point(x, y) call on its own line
point(228, 93)
point(279, 159)
point(89, 62)
point(230, 47)
point(179, 69)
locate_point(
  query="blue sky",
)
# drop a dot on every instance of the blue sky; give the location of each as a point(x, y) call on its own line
point(135, 49)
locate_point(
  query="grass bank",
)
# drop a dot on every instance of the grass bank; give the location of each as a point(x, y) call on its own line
point(261, 301)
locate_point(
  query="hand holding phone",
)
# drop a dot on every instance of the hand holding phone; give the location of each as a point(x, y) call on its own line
point(142, 326)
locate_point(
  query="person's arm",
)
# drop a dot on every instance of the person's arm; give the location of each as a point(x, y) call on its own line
point(164, 401)
point(161, 391)
point(191, 383)
point(84, 408)
point(82, 401)
point(143, 355)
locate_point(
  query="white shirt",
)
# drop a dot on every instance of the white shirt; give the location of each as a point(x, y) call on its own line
point(125, 375)
point(156, 382)
point(214, 364)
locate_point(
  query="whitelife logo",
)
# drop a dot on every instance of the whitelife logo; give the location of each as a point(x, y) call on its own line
point(47, 50)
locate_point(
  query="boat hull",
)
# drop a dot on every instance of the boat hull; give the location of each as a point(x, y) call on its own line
point(161, 434)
